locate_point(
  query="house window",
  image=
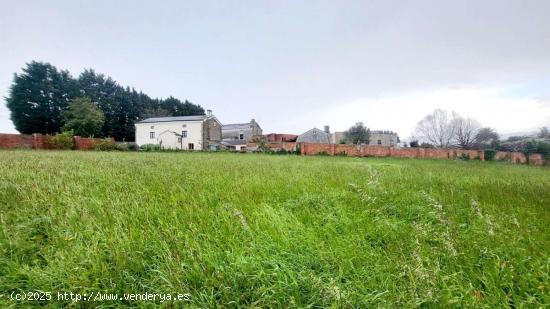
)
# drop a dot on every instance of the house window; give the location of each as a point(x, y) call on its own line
point(191, 146)
point(152, 127)
point(184, 134)
point(241, 136)
point(151, 135)
point(379, 142)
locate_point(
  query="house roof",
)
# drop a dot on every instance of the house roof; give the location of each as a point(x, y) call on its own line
point(315, 130)
point(177, 118)
point(234, 126)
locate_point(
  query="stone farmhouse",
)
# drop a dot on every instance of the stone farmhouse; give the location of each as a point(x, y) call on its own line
point(241, 131)
point(201, 132)
point(315, 136)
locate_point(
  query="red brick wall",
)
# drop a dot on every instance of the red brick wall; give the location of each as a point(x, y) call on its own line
point(276, 145)
point(381, 151)
point(39, 141)
point(85, 143)
point(517, 157)
point(275, 137)
point(11, 141)
point(536, 159)
point(471, 154)
point(502, 156)
point(43, 142)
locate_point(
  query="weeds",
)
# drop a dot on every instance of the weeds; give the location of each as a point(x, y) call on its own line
point(273, 231)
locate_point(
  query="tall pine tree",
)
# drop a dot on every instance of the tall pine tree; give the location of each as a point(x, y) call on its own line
point(41, 93)
point(38, 96)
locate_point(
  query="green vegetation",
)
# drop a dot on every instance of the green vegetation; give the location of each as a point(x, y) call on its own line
point(256, 230)
point(39, 97)
point(64, 140)
point(83, 117)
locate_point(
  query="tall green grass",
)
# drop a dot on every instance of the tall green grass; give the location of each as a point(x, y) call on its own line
point(235, 230)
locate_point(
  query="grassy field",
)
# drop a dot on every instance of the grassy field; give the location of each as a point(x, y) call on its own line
point(245, 230)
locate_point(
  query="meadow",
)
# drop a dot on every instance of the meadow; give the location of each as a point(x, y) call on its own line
point(253, 230)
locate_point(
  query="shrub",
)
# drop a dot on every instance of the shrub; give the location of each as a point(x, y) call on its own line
point(464, 157)
point(108, 145)
point(149, 147)
point(490, 154)
point(281, 151)
point(132, 146)
point(263, 146)
point(64, 140)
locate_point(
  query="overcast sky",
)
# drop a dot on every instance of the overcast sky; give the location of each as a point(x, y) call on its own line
point(294, 65)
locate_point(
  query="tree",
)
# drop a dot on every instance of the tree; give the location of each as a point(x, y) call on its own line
point(357, 134)
point(414, 144)
point(436, 128)
point(487, 138)
point(176, 108)
point(37, 97)
point(40, 95)
point(83, 117)
point(465, 130)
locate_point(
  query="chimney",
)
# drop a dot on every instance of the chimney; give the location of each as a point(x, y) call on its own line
point(209, 112)
point(327, 129)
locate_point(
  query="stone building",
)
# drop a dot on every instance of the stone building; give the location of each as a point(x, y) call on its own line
point(337, 137)
point(377, 138)
point(383, 138)
point(315, 136)
point(241, 131)
point(202, 132)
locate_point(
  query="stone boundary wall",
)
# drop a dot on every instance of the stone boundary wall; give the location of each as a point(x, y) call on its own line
point(39, 141)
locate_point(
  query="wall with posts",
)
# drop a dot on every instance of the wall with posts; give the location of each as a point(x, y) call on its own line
point(39, 141)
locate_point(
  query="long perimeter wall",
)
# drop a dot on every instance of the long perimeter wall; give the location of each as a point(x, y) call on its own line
point(381, 151)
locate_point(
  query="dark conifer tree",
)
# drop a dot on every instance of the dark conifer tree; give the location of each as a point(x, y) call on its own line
point(38, 96)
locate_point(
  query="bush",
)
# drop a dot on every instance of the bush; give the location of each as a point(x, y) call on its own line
point(64, 140)
point(132, 146)
point(490, 154)
point(149, 147)
point(108, 145)
point(464, 157)
point(282, 151)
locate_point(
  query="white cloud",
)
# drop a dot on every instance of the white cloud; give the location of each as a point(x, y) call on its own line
point(401, 113)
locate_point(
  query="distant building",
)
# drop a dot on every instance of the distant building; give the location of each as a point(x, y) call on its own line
point(275, 137)
point(383, 138)
point(241, 131)
point(315, 136)
point(337, 137)
point(201, 132)
point(377, 138)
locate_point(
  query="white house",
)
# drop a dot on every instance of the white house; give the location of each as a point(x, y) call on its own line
point(201, 132)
